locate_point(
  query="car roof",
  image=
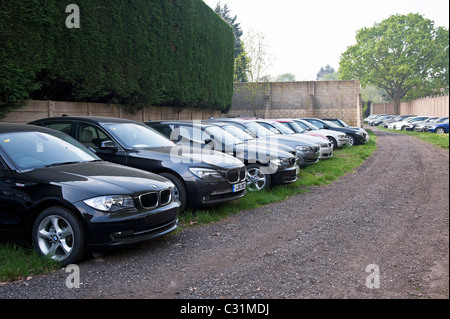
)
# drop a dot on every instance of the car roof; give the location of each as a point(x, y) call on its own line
point(17, 127)
point(95, 119)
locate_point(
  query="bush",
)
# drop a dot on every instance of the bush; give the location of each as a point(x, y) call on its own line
point(137, 53)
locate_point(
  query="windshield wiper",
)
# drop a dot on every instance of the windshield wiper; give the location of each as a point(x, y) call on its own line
point(63, 163)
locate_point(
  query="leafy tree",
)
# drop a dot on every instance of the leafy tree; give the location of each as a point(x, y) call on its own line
point(323, 71)
point(286, 77)
point(405, 55)
point(240, 55)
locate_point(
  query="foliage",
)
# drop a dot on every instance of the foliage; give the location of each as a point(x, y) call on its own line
point(285, 77)
point(324, 71)
point(240, 56)
point(137, 53)
point(405, 55)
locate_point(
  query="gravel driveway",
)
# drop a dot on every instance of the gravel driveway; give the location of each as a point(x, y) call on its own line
point(380, 232)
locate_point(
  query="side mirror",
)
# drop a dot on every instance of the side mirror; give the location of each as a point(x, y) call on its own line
point(109, 146)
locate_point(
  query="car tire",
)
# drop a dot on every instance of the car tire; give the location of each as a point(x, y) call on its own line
point(333, 141)
point(351, 140)
point(440, 130)
point(256, 179)
point(60, 235)
point(180, 189)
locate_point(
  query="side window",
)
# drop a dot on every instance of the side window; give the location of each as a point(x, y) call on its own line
point(65, 127)
point(317, 123)
point(90, 135)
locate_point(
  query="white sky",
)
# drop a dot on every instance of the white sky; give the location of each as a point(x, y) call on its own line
point(307, 35)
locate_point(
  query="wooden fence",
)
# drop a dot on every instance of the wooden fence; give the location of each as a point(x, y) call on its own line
point(42, 109)
point(429, 106)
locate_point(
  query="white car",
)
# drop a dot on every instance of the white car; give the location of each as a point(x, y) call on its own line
point(400, 126)
point(338, 139)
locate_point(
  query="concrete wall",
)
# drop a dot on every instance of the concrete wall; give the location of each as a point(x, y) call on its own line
point(335, 99)
point(41, 109)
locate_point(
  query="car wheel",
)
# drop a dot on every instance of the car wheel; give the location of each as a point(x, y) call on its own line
point(180, 192)
point(256, 179)
point(333, 141)
point(351, 140)
point(440, 130)
point(60, 235)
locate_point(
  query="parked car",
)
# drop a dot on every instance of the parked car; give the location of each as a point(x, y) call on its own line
point(371, 117)
point(71, 201)
point(265, 166)
point(379, 120)
point(439, 128)
point(307, 153)
point(355, 135)
point(401, 125)
point(290, 128)
point(200, 179)
point(420, 127)
point(247, 136)
point(396, 118)
point(337, 139)
point(411, 126)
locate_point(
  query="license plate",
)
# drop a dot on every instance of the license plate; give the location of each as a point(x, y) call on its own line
point(239, 187)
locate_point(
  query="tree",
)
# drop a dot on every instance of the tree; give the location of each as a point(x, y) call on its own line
point(240, 56)
point(404, 55)
point(258, 54)
point(286, 77)
point(323, 71)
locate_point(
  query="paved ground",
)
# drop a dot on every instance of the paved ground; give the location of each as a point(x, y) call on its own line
point(381, 232)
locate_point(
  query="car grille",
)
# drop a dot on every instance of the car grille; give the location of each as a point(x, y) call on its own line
point(236, 175)
point(154, 199)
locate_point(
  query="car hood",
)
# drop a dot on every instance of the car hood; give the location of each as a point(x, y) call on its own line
point(87, 180)
point(192, 155)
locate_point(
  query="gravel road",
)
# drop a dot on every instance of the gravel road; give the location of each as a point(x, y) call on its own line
point(380, 232)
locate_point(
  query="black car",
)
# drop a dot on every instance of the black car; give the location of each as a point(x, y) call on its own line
point(200, 180)
point(71, 201)
point(265, 166)
point(307, 153)
point(355, 135)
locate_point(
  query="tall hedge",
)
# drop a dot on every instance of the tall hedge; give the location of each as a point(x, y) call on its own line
point(131, 52)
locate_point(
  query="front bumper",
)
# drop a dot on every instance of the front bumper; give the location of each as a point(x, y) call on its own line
point(106, 230)
point(285, 176)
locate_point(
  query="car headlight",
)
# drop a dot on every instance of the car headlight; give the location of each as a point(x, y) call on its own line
point(432, 127)
point(342, 136)
point(302, 148)
point(206, 173)
point(110, 203)
point(281, 161)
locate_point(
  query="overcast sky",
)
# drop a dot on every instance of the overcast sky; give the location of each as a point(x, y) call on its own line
point(307, 35)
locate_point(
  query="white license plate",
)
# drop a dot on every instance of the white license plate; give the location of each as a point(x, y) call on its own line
point(239, 187)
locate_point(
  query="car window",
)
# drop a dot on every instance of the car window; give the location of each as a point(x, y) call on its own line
point(30, 150)
point(65, 127)
point(134, 135)
point(319, 124)
point(91, 135)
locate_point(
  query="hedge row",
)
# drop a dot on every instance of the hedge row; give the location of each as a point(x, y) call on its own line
point(131, 52)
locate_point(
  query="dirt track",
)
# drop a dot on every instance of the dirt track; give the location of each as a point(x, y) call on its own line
point(391, 213)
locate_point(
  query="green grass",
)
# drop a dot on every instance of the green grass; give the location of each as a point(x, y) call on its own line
point(19, 262)
point(441, 140)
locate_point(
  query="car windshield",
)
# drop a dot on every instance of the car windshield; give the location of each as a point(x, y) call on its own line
point(132, 135)
point(234, 130)
point(258, 129)
point(31, 150)
point(222, 136)
point(283, 129)
point(306, 125)
point(331, 124)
